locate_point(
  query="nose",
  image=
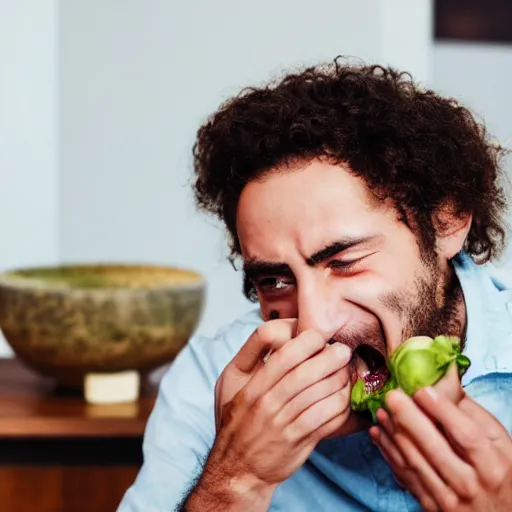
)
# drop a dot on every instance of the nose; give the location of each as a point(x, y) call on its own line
point(319, 310)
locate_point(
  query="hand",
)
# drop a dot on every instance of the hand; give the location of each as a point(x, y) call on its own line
point(270, 416)
point(449, 452)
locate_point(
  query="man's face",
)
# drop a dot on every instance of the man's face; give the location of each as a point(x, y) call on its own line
point(319, 248)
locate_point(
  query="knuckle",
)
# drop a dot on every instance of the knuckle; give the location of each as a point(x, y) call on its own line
point(413, 464)
point(305, 423)
point(267, 406)
point(496, 475)
point(290, 434)
point(265, 332)
point(470, 487)
point(400, 416)
point(312, 337)
point(321, 433)
point(297, 376)
point(449, 502)
point(427, 505)
point(329, 428)
point(293, 381)
point(400, 464)
point(469, 438)
point(343, 377)
point(337, 382)
point(341, 401)
point(333, 384)
point(286, 356)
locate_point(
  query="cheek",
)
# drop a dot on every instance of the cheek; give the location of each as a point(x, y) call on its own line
point(281, 308)
point(364, 289)
point(375, 298)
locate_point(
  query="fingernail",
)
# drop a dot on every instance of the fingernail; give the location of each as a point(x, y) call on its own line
point(342, 351)
point(374, 434)
point(431, 392)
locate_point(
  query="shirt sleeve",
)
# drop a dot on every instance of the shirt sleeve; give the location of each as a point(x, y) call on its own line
point(181, 428)
point(178, 436)
point(494, 393)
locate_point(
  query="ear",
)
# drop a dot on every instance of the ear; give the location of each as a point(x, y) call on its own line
point(452, 228)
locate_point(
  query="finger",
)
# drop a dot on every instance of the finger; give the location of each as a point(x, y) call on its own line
point(270, 335)
point(496, 432)
point(474, 433)
point(307, 383)
point(300, 401)
point(402, 473)
point(494, 429)
point(450, 385)
point(385, 420)
point(284, 360)
point(432, 485)
point(342, 425)
point(432, 445)
point(389, 450)
point(319, 415)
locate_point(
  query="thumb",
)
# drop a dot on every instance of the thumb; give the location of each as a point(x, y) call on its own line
point(269, 336)
point(450, 385)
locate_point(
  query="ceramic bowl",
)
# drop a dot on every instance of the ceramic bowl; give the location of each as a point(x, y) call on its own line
point(68, 321)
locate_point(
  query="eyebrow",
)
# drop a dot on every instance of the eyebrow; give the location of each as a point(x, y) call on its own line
point(254, 267)
point(337, 247)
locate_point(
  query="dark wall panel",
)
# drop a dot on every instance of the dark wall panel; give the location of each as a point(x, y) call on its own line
point(473, 20)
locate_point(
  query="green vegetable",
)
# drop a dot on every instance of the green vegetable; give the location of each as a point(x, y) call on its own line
point(420, 361)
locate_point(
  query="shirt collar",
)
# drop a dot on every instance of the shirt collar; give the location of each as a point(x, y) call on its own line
point(489, 325)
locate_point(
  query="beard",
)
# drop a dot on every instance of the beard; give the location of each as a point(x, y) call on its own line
point(432, 307)
point(435, 306)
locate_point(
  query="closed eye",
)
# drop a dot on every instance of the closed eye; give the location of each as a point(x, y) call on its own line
point(343, 266)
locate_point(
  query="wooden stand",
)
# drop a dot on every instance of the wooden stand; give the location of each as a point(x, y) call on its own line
point(60, 454)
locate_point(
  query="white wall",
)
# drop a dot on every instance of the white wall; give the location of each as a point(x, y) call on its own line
point(137, 78)
point(28, 135)
point(100, 101)
point(406, 36)
point(480, 76)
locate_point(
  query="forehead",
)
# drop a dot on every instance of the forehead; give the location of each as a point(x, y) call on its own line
point(306, 206)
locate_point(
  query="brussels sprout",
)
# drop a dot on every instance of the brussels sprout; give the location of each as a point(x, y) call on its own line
point(361, 400)
point(420, 361)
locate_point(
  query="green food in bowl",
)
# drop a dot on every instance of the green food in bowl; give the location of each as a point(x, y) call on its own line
point(102, 276)
point(71, 320)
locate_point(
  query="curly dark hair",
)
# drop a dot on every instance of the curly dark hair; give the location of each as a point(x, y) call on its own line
point(407, 143)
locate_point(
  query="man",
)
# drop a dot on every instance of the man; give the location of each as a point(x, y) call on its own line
point(363, 209)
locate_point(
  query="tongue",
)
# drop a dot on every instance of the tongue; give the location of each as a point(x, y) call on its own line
point(362, 368)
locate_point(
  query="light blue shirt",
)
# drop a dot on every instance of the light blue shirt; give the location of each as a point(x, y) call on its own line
point(346, 474)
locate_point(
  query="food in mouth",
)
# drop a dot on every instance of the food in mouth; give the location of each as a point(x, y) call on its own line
point(369, 365)
point(418, 362)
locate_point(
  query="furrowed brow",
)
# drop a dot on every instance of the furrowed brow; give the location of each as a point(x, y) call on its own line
point(256, 268)
point(336, 248)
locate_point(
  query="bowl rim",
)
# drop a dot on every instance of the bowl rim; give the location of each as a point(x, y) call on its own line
point(8, 281)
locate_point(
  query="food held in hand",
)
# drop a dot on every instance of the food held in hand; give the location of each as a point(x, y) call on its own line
point(420, 361)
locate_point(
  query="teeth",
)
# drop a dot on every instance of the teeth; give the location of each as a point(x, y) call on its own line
point(361, 368)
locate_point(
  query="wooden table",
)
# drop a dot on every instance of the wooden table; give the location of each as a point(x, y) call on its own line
point(60, 454)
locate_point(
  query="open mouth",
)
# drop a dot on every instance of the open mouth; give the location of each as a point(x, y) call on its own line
point(369, 365)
